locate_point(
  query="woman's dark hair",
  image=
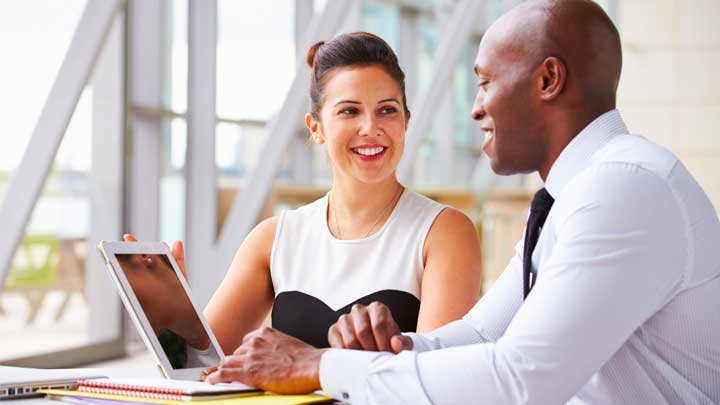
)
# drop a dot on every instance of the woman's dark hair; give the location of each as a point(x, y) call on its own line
point(351, 49)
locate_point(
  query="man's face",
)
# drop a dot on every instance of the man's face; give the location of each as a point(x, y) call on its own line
point(506, 109)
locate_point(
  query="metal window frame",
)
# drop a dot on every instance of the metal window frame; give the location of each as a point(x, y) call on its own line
point(97, 47)
point(459, 27)
point(200, 168)
point(26, 183)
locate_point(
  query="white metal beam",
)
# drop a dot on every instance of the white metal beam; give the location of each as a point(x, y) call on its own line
point(461, 24)
point(408, 49)
point(246, 208)
point(146, 88)
point(300, 152)
point(29, 177)
point(304, 11)
point(106, 178)
point(200, 168)
point(353, 16)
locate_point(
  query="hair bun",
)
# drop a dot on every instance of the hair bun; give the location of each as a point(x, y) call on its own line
point(310, 58)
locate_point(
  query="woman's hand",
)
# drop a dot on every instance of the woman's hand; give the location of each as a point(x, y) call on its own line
point(273, 361)
point(178, 252)
point(368, 328)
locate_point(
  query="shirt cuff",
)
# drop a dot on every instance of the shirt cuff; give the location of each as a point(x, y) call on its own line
point(343, 373)
point(420, 342)
point(457, 333)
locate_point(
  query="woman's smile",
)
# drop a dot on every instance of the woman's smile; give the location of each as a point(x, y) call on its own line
point(369, 153)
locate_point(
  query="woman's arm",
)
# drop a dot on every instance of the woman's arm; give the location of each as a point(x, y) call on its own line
point(245, 296)
point(452, 277)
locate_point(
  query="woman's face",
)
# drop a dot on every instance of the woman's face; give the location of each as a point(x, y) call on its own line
point(362, 122)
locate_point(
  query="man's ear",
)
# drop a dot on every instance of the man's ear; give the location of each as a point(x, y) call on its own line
point(314, 126)
point(553, 76)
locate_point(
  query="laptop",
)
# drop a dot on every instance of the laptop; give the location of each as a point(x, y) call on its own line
point(19, 382)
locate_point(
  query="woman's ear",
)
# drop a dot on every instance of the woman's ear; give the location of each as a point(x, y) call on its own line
point(314, 126)
point(553, 77)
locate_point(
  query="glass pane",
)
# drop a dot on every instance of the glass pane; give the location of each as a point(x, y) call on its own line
point(237, 148)
point(178, 56)
point(256, 57)
point(172, 183)
point(44, 307)
point(427, 41)
point(26, 74)
point(383, 20)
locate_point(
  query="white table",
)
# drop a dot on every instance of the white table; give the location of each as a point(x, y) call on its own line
point(110, 372)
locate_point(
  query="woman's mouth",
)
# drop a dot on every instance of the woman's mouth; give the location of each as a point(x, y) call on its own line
point(369, 153)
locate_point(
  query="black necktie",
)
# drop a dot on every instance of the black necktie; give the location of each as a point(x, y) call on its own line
point(539, 209)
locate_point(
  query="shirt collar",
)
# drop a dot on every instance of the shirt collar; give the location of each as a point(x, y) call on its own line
point(578, 153)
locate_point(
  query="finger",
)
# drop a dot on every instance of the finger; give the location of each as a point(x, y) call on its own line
point(334, 337)
point(363, 328)
point(347, 333)
point(263, 330)
point(231, 361)
point(128, 237)
point(225, 375)
point(383, 326)
point(207, 372)
point(178, 252)
point(400, 343)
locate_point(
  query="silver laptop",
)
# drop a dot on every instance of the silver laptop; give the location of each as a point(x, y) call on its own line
point(18, 382)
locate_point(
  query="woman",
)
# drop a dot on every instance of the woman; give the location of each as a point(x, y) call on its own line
point(369, 239)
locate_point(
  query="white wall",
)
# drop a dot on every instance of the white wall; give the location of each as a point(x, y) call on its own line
point(670, 87)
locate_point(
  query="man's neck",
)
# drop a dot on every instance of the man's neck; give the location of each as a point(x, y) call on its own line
point(563, 130)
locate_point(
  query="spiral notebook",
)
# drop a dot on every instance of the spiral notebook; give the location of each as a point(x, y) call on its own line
point(171, 390)
point(255, 398)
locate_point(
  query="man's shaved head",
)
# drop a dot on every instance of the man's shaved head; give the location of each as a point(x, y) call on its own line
point(547, 68)
point(578, 32)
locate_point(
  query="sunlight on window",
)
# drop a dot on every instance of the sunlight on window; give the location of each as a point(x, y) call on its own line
point(26, 74)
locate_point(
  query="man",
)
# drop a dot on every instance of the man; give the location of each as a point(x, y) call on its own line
point(618, 302)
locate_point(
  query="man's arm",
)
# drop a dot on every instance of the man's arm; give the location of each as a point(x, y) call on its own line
point(487, 320)
point(373, 328)
point(614, 265)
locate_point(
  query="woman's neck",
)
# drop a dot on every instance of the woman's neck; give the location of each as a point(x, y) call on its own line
point(359, 209)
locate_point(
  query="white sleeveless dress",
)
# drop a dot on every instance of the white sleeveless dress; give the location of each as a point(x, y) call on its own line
point(317, 277)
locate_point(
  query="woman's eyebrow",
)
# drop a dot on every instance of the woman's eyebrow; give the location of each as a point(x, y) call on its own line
point(394, 100)
point(346, 101)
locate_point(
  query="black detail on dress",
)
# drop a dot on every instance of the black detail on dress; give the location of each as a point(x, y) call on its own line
point(308, 318)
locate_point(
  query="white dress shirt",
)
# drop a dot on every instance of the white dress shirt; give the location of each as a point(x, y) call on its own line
point(625, 310)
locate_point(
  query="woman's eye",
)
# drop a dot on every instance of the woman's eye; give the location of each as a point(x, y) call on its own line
point(482, 83)
point(388, 110)
point(348, 111)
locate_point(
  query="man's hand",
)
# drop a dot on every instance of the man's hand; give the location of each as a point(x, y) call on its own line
point(270, 360)
point(368, 328)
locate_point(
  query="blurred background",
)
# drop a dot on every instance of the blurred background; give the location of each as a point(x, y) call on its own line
point(182, 119)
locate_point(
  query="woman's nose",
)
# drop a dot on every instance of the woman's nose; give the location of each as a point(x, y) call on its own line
point(370, 127)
